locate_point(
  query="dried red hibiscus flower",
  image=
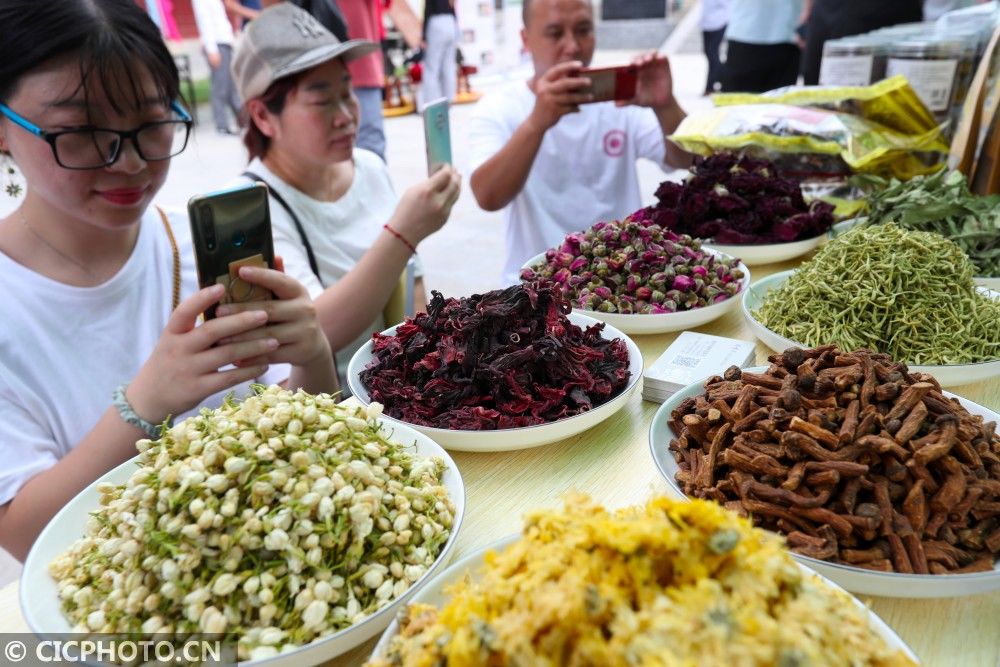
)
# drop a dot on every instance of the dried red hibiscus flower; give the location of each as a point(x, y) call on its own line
point(505, 359)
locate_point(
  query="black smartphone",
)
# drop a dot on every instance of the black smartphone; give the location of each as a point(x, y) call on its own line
point(231, 229)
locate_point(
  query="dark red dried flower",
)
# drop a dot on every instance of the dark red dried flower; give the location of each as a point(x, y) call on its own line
point(740, 200)
point(505, 359)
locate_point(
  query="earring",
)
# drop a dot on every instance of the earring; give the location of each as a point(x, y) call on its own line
point(11, 187)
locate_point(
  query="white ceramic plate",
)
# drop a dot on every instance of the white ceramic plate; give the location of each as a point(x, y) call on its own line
point(433, 594)
point(992, 283)
point(950, 375)
point(769, 253)
point(508, 439)
point(854, 579)
point(844, 227)
point(652, 324)
point(40, 598)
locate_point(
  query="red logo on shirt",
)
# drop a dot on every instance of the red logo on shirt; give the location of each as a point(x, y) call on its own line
point(614, 143)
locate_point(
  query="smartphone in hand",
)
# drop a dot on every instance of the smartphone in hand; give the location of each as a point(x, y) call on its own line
point(230, 229)
point(437, 133)
point(611, 83)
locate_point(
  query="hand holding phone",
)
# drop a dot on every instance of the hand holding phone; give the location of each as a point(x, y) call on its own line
point(437, 134)
point(232, 229)
point(611, 83)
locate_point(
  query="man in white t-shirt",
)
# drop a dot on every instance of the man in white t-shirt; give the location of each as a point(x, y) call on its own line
point(555, 163)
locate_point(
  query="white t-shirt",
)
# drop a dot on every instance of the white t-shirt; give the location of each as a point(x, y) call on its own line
point(339, 232)
point(584, 171)
point(64, 349)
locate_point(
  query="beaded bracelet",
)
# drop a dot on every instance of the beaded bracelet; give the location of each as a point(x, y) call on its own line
point(129, 416)
point(399, 236)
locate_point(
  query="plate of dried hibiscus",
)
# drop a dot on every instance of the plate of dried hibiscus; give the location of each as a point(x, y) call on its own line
point(509, 369)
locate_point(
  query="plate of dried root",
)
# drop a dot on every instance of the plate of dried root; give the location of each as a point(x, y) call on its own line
point(876, 477)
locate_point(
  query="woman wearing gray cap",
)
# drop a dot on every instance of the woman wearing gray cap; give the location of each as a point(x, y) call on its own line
point(335, 216)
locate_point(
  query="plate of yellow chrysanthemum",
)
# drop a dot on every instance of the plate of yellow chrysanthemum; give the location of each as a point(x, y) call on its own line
point(670, 583)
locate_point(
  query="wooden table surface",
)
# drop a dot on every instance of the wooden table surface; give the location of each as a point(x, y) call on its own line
point(611, 462)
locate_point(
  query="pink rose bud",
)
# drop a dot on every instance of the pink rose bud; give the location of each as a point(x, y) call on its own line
point(683, 283)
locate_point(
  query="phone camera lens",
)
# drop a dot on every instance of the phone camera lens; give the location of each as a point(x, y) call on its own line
point(239, 239)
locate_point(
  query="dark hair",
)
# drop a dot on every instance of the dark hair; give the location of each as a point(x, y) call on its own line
point(274, 99)
point(109, 37)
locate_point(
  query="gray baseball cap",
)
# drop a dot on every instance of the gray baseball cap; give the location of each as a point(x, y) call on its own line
point(284, 40)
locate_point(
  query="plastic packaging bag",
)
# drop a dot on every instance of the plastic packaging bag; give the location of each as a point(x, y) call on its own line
point(811, 143)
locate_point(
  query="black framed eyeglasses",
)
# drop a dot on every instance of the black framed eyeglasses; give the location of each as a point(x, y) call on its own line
point(94, 148)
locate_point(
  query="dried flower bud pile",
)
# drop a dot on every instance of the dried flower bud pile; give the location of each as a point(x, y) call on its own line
point(672, 583)
point(635, 266)
point(275, 521)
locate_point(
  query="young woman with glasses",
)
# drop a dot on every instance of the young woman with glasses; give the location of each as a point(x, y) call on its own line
point(100, 341)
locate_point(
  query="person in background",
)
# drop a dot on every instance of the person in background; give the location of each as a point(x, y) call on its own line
point(327, 12)
point(217, 38)
point(245, 10)
point(714, 17)
point(334, 214)
point(440, 76)
point(832, 19)
point(761, 52)
point(553, 162)
point(364, 21)
point(102, 342)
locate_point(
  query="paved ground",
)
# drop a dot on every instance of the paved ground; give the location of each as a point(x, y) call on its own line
point(463, 258)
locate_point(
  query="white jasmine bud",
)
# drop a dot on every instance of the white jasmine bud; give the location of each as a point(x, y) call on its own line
point(217, 483)
point(323, 591)
point(267, 613)
point(276, 540)
point(271, 636)
point(95, 620)
point(224, 584)
point(299, 459)
point(152, 624)
point(372, 578)
point(310, 415)
point(384, 591)
point(236, 464)
point(315, 614)
point(401, 523)
point(251, 585)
